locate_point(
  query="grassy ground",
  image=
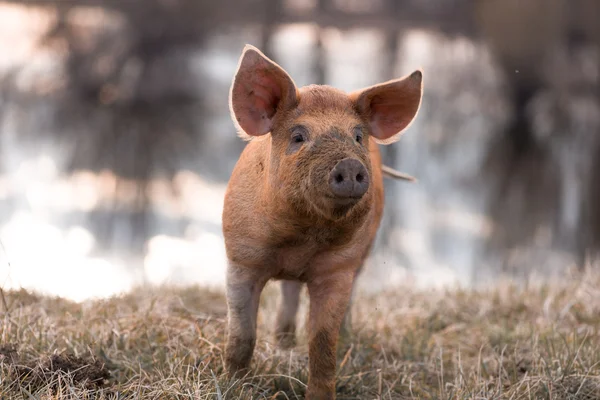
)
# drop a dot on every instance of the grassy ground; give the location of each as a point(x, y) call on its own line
point(511, 343)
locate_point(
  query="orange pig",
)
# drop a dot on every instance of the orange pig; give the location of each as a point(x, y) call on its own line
point(304, 202)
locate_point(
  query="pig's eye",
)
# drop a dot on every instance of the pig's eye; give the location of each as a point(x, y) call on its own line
point(358, 135)
point(299, 134)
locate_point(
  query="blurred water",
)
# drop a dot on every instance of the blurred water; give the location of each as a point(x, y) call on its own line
point(52, 223)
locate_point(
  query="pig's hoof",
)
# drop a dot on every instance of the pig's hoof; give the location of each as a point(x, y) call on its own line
point(345, 331)
point(285, 340)
point(237, 372)
point(285, 335)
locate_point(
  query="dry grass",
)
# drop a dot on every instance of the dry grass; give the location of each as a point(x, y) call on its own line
point(502, 343)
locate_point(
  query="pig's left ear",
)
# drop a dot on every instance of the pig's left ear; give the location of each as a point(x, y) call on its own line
point(390, 107)
point(259, 90)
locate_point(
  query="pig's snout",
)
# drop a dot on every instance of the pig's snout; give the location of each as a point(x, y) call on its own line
point(349, 179)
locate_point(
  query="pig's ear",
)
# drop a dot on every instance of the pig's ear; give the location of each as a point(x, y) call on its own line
point(390, 107)
point(259, 90)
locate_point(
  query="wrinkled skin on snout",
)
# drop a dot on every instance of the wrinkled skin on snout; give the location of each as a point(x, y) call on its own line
point(304, 203)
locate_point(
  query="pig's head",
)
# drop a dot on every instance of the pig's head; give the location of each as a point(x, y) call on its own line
point(319, 136)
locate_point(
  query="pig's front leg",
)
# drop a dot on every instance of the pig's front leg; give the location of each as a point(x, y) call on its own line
point(285, 326)
point(243, 294)
point(329, 298)
point(346, 328)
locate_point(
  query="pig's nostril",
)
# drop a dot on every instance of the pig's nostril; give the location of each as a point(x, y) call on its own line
point(359, 178)
point(339, 178)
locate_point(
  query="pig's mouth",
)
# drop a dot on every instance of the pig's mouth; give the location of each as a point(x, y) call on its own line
point(334, 208)
point(343, 207)
point(344, 201)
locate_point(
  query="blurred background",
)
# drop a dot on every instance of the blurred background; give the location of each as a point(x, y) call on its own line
point(116, 142)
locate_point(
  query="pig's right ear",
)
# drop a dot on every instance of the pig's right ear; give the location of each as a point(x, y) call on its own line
point(259, 90)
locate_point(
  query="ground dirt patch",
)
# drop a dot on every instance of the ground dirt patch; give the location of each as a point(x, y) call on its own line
point(47, 372)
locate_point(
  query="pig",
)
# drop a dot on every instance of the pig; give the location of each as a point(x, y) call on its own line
point(304, 202)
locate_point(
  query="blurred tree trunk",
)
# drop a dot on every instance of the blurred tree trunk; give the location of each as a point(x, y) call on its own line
point(273, 10)
point(390, 153)
point(585, 29)
point(319, 51)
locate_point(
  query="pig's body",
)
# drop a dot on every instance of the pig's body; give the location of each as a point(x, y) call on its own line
point(304, 202)
point(263, 235)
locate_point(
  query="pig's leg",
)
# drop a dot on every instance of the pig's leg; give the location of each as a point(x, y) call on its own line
point(243, 295)
point(329, 297)
point(285, 326)
point(346, 328)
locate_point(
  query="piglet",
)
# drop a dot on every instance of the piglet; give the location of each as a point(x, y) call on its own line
point(304, 202)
